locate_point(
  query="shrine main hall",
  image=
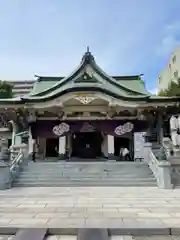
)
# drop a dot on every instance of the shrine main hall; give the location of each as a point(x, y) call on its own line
point(88, 114)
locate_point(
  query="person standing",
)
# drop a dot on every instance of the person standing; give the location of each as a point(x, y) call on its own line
point(35, 151)
point(121, 154)
point(126, 154)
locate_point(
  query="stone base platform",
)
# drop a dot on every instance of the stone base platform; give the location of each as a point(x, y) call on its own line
point(88, 207)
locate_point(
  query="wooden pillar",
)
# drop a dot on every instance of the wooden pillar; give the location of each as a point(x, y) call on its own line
point(160, 132)
point(62, 147)
point(110, 141)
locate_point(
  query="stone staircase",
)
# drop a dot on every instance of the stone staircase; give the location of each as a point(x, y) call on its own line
point(58, 174)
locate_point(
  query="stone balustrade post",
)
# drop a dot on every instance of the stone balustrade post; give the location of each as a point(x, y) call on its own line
point(146, 150)
point(164, 175)
point(168, 146)
point(5, 176)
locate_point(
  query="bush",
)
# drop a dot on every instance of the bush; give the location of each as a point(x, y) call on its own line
point(5, 90)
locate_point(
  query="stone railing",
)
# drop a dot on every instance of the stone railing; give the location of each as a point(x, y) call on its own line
point(16, 164)
point(161, 168)
point(168, 147)
point(10, 170)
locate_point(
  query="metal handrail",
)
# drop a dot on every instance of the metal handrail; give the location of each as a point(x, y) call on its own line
point(16, 161)
point(22, 133)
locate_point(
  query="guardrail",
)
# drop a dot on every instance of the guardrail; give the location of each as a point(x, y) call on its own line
point(16, 164)
point(11, 169)
point(161, 169)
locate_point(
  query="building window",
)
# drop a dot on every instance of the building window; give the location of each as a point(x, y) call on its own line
point(159, 79)
point(176, 74)
point(170, 66)
point(174, 59)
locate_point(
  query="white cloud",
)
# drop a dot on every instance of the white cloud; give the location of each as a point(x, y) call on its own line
point(170, 39)
point(153, 91)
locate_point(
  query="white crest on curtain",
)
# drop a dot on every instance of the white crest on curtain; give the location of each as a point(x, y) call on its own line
point(122, 129)
point(60, 129)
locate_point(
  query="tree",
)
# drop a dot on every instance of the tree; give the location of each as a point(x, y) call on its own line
point(6, 89)
point(172, 91)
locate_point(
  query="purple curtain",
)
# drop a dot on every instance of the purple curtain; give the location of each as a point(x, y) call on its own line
point(53, 128)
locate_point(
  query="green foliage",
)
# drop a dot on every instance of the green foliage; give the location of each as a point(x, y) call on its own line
point(172, 91)
point(5, 90)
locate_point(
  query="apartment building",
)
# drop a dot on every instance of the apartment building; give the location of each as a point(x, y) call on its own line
point(21, 88)
point(171, 72)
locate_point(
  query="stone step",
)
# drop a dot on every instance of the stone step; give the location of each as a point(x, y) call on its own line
point(80, 173)
point(83, 184)
point(90, 166)
point(85, 168)
point(77, 164)
point(134, 171)
point(86, 174)
point(84, 181)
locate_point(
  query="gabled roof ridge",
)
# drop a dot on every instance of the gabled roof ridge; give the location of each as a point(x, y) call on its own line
point(114, 81)
point(58, 84)
point(88, 59)
point(127, 77)
point(48, 78)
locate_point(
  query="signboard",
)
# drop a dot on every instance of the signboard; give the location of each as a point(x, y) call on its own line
point(139, 145)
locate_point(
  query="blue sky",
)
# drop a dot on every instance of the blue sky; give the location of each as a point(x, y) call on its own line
point(48, 37)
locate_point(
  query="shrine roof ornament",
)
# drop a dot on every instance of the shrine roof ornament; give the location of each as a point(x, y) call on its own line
point(88, 57)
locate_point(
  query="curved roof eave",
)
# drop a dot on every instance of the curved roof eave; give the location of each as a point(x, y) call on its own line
point(80, 89)
point(59, 84)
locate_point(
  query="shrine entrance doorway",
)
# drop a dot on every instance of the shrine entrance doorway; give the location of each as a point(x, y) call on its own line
point(123, 142)
point(86, 144)
point(52, 145)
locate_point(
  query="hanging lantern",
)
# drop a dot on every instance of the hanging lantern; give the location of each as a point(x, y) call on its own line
point(173, 123)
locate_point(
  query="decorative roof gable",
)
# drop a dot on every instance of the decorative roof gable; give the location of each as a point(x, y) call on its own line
point(88, 76)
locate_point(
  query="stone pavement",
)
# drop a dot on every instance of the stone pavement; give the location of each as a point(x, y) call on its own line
point(66, 237)
point(113, 207)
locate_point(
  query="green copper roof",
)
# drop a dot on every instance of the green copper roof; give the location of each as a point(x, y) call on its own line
point(88, 76)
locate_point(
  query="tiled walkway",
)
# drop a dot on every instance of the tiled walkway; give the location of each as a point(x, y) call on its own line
point(90, 207)
point(68, 237)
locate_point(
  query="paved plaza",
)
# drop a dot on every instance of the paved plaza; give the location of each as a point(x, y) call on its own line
point(105, 207)
point(67, 237)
